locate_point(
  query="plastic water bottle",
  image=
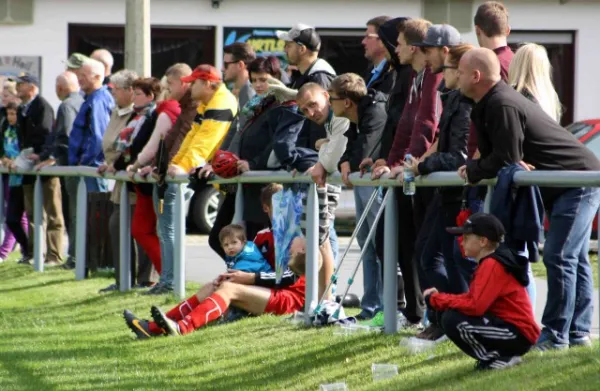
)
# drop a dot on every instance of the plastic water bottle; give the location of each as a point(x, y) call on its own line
point(408, 184)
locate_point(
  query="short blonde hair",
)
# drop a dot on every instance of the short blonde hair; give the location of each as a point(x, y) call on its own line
point(349, 85)
point(414, 30)
point(297, 263)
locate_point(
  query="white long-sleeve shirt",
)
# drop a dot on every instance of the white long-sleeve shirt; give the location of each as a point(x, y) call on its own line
point(331, 152)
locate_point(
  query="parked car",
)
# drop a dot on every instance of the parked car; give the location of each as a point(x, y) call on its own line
point(202, 208)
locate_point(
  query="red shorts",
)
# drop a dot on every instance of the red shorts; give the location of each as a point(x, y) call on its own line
point(284, 301)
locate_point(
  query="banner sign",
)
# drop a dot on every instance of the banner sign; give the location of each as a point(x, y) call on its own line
point(12, 66)
point(263, 40)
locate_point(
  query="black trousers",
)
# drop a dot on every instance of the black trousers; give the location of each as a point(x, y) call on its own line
point(484, 338)
point(14, 217)
point(411, 213)
point(224, 218)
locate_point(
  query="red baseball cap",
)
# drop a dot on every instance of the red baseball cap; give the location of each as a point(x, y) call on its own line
point(204, 72)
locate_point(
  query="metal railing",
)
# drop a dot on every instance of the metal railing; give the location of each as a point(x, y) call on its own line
point(440, 179)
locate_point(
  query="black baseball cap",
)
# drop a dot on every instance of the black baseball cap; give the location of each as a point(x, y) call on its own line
point(302, 34)
point(26, 78)
point(481, 224)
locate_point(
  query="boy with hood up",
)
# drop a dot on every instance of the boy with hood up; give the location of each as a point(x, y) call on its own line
point(493, 322)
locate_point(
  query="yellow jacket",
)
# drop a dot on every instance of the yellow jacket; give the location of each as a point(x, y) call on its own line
point(209, 128)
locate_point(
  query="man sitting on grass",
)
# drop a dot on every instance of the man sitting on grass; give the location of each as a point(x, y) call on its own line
point(256, 293)
point(493, 322)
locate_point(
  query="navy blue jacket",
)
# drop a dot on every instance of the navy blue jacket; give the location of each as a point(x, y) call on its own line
point(521, 211)
point(294, 142)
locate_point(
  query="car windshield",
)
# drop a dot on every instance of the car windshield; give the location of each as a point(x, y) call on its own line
point(593, 143)
point(579, 129)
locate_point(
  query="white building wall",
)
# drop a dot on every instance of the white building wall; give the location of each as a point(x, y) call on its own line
point(48, 36)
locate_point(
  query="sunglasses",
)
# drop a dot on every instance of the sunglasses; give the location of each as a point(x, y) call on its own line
point(444, 67)
point(333, 98)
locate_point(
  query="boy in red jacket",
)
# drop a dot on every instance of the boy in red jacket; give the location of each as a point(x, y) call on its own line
point(493, 322)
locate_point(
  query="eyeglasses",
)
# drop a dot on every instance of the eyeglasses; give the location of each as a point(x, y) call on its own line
point(444, 67)
point(333, 98)
point(227, 63)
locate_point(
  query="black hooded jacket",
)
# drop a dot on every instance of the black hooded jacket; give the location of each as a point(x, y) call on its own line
point(513, 263)
point(401, 76)
point(364, 140)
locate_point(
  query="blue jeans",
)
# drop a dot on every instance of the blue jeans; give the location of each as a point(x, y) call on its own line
point(95, 185)
point(372, 300)
point(166, 230)
point(569, 306)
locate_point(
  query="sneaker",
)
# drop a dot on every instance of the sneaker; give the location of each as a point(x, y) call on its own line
point(110, 288)
point(69, 265)
point(545, 343)
point(505, 362)
point(26, 260)
point(576, 342)
point(432, 333)
point(376, 321)
point(143, 285)
point(159, 289)
point(171, 327)
point(138, 326)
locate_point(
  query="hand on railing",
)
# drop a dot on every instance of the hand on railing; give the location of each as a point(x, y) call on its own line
point(145, 171)
point(206, 171)
point(131, 171)
point(345, 171)
point(175, 170)
point(34, 157)
point(397, 173)
point(243, 166)
point(378, 171)
point(45, 163)
point(412, 165)
point(319, 174)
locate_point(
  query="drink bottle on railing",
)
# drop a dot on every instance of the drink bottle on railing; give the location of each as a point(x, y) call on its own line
point(408, 182)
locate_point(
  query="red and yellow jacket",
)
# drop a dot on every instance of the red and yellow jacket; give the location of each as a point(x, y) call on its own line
point(209, 128)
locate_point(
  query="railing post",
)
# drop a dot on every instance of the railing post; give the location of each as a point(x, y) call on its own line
point(238, 215)
point(488, 199)
point(312, 252)
point(124, 240)
point(2, 208)
point(390, 264)
point(80, 243)
point(598, 234)
point(38, 213)
point(179, 256)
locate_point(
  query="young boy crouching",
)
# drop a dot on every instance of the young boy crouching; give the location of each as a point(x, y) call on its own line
point(493, 322)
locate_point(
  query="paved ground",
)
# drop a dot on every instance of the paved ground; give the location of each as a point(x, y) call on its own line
point(204, 265)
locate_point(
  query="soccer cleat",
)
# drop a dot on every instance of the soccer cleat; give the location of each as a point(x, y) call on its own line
point(162, 321)
point(138, 326)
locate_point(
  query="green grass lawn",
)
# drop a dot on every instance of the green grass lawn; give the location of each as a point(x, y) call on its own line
point(539, 270)
point(59, 334)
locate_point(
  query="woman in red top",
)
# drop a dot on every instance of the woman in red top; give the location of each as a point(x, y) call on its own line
point(493, 322)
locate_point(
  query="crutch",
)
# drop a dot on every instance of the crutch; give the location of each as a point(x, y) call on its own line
point(359, 224)
point(336, 314)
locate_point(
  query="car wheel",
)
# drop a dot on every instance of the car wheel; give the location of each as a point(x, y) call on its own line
point(206, 207)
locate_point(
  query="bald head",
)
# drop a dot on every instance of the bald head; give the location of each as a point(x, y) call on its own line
point(309, 87)
point(313, 101)
point(105, 58)
point(485, 61)
point(66, 84)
